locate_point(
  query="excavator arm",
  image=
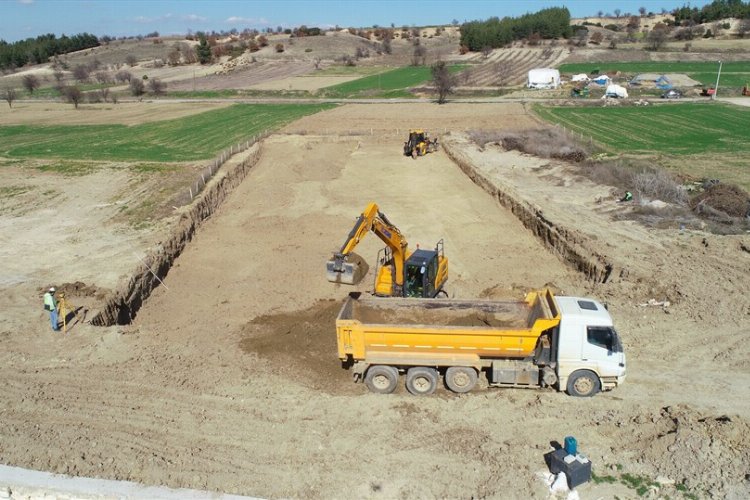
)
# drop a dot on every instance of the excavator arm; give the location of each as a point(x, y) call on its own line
point(371, 219)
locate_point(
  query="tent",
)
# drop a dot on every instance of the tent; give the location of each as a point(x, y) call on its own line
point(601, 80)
point(583, 77)
point(616, 91)
point(543, 78)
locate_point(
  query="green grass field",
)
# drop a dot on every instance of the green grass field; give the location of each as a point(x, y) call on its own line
point(194, 137)
point(393, 83)
point(733, 74)
point(679, 129)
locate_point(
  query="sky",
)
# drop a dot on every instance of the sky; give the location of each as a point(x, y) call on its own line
point(20, 19)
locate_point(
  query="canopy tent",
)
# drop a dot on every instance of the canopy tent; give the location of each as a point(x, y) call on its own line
point(543, 78)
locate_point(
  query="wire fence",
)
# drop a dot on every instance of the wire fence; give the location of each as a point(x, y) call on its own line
point(209, 170)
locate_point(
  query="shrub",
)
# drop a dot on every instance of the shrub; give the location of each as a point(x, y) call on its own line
point(137, 87)
point(545, 143)
point(279, 48)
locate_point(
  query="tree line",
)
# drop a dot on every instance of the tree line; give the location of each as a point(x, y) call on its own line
point(548, 23)
point(40, 49)
point(716, 10)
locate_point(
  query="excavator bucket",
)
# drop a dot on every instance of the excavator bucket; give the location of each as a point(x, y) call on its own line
point(347, 270)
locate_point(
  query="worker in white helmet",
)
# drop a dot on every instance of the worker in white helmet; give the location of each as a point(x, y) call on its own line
point(50, 304)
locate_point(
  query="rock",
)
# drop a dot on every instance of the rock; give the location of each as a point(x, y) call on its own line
point(665, 481)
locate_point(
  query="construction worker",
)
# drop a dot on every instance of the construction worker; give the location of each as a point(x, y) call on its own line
point(628, 196)
point(50, 304)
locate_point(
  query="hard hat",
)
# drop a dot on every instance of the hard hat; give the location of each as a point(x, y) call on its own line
point(52, 289)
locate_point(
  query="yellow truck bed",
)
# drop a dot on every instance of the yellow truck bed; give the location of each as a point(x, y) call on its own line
point(400, 331)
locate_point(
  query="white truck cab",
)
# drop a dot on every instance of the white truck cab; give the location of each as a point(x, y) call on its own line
point(590, 356)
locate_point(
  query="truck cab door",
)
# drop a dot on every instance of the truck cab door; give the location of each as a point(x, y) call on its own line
point(429, 278)
point(602, 348)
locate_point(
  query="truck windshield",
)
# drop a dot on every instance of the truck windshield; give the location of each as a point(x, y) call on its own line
point(605, 337)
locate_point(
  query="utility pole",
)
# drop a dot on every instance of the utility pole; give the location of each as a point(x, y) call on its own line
point(716, 89)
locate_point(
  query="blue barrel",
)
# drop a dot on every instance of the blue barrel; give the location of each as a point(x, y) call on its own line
point(571, 445)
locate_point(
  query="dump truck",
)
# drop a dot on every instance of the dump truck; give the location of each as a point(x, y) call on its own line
point(566, 343)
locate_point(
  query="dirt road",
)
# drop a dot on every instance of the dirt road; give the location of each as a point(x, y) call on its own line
point(228, 378)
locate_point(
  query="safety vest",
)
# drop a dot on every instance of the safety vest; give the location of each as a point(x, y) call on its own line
point(50, 304)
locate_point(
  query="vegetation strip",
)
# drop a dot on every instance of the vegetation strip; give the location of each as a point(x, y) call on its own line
point(389, 84)
point(196, 137)
point(680, 129)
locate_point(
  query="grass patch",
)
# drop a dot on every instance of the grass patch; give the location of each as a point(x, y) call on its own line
point(349, 71)
point(680, 129)
point(733, 74)
point(68, 168)
point(393, 83)
point(196, 137)
point(11, 191)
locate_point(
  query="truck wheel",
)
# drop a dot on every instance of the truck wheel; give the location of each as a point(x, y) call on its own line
point(381, 379)
point(460, 379)
point(421, 381)
point(583, 384)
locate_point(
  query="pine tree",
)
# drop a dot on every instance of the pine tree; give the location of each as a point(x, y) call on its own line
point(203, 50)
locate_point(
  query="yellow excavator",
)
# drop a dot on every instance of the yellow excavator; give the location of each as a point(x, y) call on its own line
point(400, 272)
point(419, 144)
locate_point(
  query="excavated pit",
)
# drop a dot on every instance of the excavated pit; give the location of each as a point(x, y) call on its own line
point(121, 307)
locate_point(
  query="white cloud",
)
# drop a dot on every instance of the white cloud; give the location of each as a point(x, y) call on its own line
point(194, 17)
point(143, 19)
point(26, 2)
point(247, 20)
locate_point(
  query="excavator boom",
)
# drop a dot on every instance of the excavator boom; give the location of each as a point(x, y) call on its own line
point(341, 270)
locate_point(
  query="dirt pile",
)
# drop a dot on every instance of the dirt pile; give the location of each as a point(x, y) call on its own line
point(728, 198)
point(705, 453)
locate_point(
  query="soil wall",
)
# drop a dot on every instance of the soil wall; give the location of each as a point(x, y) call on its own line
point(568, 244)
point(123, 304)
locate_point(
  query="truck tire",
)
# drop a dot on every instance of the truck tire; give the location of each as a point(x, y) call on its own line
point(421, 381)
point(460, 379)
point(381, 379)
point(583, 384)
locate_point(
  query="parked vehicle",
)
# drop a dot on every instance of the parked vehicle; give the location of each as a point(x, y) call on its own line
point(568, 343)
point(672, 94)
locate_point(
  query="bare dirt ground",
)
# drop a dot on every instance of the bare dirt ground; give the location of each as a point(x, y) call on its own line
point(228, 378)
point(309, 82)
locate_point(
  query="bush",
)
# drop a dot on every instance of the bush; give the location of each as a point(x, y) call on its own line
point(727, 198)
point(279, 47)
point(137, 87)
point(545, 143)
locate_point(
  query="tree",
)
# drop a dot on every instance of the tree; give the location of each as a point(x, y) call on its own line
point(174, 56)
point(81, 73)
point(103, 77)
point(582, 36)
point(73, 95)
point(600, 14)
point(597, 38)
point(131, 60)
point(136, 87)
point(123, 76)
point(657, 37)
point(30, 83)
point(617, 13)
point(9, 95)
point(156, 86)
point(743, 28)
point(419, 56)
point(59, 75)
point(642, 11)
point(443, 81)
point(203, 51)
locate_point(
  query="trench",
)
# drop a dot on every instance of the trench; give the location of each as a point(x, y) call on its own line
point(121, 307)
point(572, 247)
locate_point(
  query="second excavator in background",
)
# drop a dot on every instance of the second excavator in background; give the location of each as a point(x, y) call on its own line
point(400, 272)
point(419, 144)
